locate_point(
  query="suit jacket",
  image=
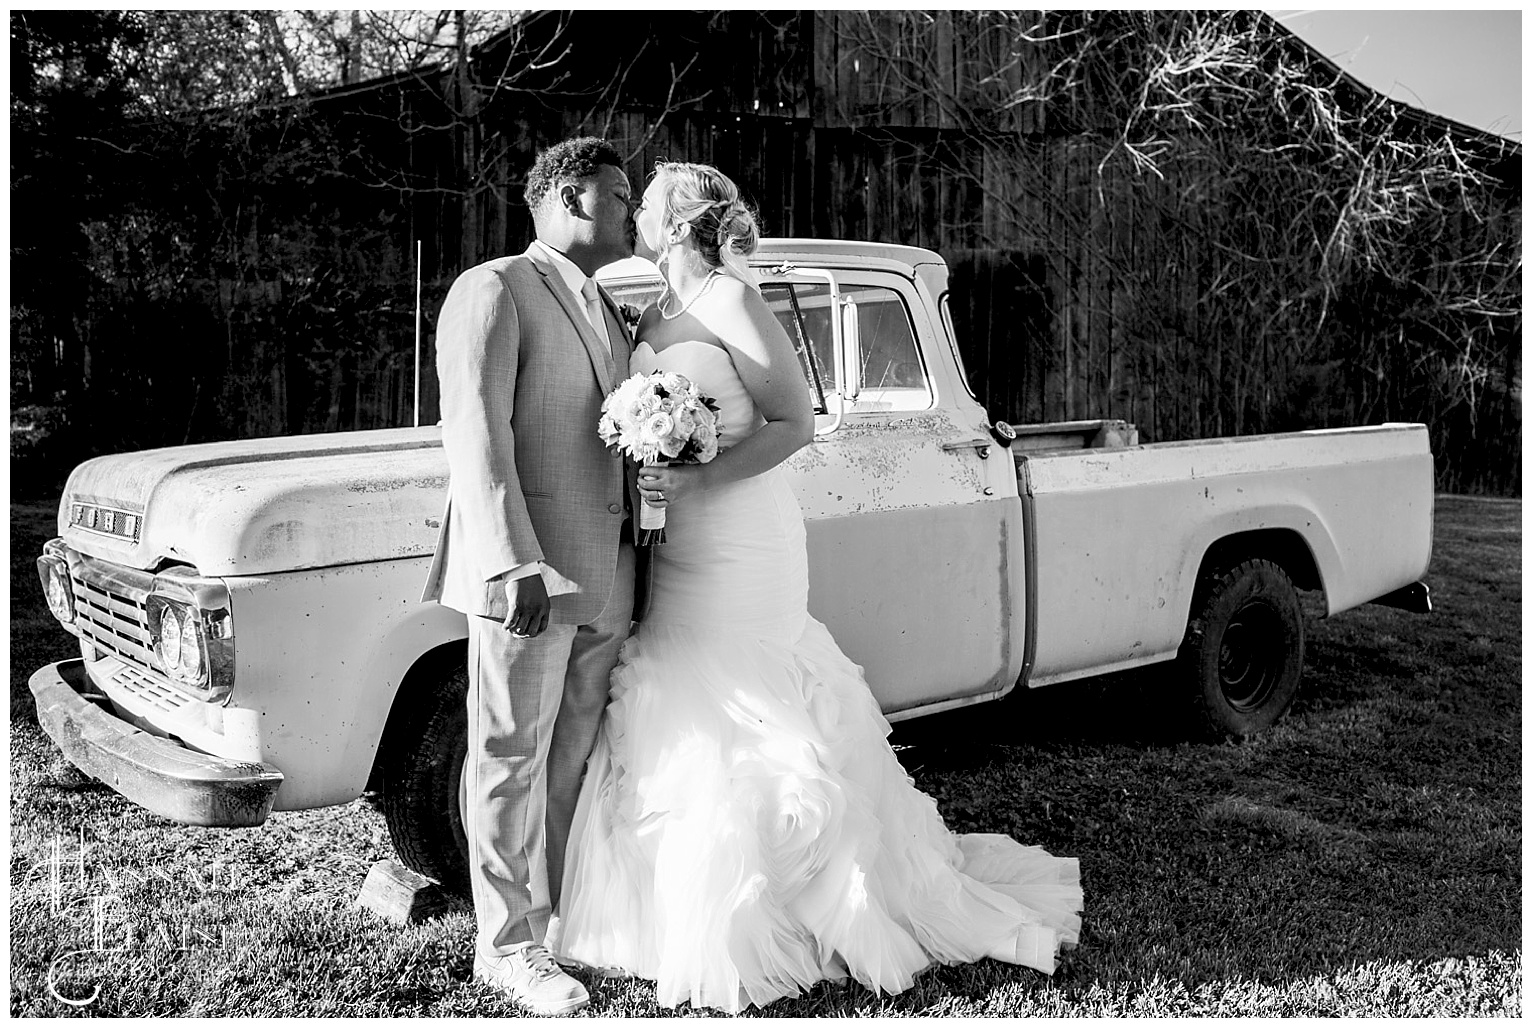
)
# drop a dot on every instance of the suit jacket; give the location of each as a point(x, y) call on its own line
point(522, 378)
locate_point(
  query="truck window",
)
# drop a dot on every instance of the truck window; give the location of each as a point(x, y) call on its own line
point(893, 376)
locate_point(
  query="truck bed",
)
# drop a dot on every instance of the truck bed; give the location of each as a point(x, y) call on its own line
point(1120, 532)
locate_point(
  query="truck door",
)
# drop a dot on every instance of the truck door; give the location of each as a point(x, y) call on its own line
point(913, 521)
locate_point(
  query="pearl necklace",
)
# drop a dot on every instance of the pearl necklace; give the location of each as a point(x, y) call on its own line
point(707, 284)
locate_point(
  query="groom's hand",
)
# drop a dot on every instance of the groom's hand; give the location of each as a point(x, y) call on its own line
point(529, 606)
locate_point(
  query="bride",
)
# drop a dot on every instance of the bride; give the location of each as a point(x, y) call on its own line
point(744, 829)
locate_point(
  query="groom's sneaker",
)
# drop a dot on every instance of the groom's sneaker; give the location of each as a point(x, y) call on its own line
point(552, 941)
point(529, 975)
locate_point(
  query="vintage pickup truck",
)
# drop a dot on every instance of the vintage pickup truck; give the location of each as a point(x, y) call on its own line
point(251, 638)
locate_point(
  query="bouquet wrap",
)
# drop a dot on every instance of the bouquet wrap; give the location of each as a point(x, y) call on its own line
point(650, 517)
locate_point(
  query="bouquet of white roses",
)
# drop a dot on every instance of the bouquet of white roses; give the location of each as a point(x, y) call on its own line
point(660, 418)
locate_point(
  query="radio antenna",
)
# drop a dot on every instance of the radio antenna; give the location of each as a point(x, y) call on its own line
point(418, 251)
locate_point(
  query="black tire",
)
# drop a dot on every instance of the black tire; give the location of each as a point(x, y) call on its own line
point(1243, 653)
point(422, 766)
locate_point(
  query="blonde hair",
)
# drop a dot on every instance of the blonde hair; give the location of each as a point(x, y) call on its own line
point(723, 225)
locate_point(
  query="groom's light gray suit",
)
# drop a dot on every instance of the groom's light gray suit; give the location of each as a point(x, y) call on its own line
point(522, 378)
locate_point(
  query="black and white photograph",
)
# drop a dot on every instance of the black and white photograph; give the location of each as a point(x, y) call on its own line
point(818, 513)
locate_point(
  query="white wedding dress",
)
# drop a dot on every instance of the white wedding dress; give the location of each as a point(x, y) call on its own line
point(744, 829)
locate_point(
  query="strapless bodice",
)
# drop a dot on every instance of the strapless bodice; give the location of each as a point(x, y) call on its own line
point(712, 369)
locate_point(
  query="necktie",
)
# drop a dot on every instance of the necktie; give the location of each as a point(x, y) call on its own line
point(593, 310)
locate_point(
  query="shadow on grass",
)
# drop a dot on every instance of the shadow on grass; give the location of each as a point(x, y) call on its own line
point(1139, 708)
point(36, 637)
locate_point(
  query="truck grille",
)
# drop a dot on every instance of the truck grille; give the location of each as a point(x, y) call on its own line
point(150, 689)
point(111, 608)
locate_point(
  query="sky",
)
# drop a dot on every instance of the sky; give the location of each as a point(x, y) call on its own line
point(1462, 64)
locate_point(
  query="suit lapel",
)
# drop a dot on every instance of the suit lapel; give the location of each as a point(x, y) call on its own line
point(600, 356)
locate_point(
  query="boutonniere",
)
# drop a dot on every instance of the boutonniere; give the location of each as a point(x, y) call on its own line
point(630, 315)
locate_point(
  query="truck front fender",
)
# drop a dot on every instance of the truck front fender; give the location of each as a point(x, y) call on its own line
point(320, 655)
point(405, 642)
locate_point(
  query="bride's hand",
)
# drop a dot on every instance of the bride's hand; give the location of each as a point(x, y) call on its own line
point(661, 487)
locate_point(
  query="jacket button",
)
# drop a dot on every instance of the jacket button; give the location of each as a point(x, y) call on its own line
point(615, 508)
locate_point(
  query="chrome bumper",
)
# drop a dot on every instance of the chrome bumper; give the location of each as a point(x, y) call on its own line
point(159, 774)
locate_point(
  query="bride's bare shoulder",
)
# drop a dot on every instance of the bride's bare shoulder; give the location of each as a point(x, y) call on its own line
point(744, 322)
point(735, 298)
point(728, 285)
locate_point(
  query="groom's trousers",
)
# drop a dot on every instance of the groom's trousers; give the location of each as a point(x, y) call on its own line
point(534, 706)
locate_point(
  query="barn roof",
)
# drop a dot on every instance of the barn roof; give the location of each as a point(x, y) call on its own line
point(1495, 154)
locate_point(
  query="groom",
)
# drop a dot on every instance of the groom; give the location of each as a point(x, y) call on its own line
point(536, 546)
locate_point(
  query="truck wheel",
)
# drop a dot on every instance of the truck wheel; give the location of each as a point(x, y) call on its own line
point(1243, 652)
point(422, 773)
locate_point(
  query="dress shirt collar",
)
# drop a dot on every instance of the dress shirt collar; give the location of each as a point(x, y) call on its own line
point(573, 277)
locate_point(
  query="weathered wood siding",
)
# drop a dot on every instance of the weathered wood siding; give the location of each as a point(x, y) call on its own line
point(1067, 306)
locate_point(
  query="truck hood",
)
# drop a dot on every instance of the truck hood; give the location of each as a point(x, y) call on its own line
point(261, 506)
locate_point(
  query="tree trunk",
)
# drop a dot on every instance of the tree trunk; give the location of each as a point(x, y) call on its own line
point(467, 112)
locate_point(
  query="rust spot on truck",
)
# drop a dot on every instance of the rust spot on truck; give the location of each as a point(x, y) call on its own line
point(811, 456)
point(387, 485)
point(279, 539)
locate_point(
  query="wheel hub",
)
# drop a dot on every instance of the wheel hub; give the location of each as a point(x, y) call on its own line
point(1250, 658)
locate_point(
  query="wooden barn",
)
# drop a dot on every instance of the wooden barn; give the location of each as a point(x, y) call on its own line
point(1190, 220)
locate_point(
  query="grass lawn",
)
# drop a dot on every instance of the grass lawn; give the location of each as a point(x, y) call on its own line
point(1361, 858)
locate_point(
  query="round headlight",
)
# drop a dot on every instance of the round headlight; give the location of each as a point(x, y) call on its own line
point(170, 638)
point(58, 595)
point(191, 650)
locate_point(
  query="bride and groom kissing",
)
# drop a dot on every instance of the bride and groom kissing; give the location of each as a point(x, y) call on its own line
point(709, 802)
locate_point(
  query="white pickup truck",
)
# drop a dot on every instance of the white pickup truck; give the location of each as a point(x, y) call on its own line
point(251, 638)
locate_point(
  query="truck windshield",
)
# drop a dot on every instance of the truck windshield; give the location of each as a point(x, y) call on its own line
point(892, 375)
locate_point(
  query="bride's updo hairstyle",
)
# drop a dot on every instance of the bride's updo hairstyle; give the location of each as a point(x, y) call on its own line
point(705, 198)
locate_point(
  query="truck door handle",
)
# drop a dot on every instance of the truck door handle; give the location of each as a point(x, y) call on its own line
point(981, 445)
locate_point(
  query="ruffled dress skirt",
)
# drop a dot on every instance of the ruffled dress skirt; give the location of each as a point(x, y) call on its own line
point(744, 829)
